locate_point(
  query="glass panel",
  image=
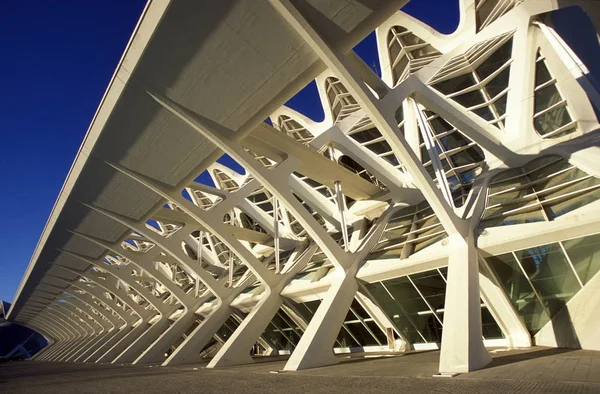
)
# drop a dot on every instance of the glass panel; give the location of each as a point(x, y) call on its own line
point(500, 105)
point(542, 75)
point(495, 61)
point(546, 98)
point(518, 290)
point(470, 99)
point(540, 162)
point(307, 309)
point(366, 135)
point(344, 339)
point(567, 204)
point(470, 155)
point(432, 286)
point(227, 328)
point(550, 274)
point(407, 309)
point(533, 215)
point(363, 335)
point(454, 140)
point(485, 113)
point(510, 194)
point(544, 171)
point(552, 120)
point(585, 256)
point(498, 84)
point(439, 125)
point(380, 335)
point(489, 327)
point(455, 84)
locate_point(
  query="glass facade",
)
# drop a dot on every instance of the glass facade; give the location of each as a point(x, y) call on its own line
point(487, 11)
point(415, 304)
point(483, 89)
point(540, 281)
point(408, 53)
point(551, 115)
point(282, 333)
point(340, 100)
point(461, 158)
point(408, 231)
point(541, 190)
point(358, 330)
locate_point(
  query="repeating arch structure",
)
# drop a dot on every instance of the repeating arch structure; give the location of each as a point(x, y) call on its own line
point(451, 203)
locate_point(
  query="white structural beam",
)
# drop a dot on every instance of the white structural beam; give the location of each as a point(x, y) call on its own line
point(456, 175)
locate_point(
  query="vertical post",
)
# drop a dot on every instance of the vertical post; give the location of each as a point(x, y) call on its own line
point(433, 154)
point(276, 233)
point(230, 269)
point(462, 343)
point(339, 195)
point(339, 198)
point(199, 256)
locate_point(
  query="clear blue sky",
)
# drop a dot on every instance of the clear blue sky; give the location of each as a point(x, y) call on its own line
point(57, 58)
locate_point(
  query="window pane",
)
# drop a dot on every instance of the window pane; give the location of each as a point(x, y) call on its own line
point(552, 120)
point(395, 312)
point(470, 155)
point(567, 204)
point(470, 99)
point(550, 274)
point(454, 140)
point(546, 98)
point(500, 105)
point(489, 327)
point(363, 335)
point(518, 290)
point(542, 75)
point(499, 83)
point(495, 61)
point(585, 256)
point(432, 286)
point(380, 335)
point(414, 307)
point(485, 113)
point(455, 84)
point(344, 339)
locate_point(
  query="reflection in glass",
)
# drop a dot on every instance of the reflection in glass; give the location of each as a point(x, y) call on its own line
point(415, 304)
point(519, 291)
point(584, 253)
point(550, 273)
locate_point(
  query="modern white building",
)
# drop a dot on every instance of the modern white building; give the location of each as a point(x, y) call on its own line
point(451, 203)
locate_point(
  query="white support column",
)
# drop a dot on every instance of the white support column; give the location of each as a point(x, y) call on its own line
point(315, 346)
point(119, 347)
point(462, 344)
point(83, 336)
point(190, 348)
point(63, 337)
point(59, 338)
point(92, 332)
point(118, 335)
point(140, 333)
point(156, 351)
point(502, 310)
point(382, 118)
point(141, 343)
point(237, 349)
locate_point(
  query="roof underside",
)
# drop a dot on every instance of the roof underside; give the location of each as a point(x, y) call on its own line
point(231, 61)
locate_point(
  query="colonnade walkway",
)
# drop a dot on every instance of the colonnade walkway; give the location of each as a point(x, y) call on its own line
point(534, 370)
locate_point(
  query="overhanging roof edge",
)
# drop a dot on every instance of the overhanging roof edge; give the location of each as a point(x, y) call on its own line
point(142, 33)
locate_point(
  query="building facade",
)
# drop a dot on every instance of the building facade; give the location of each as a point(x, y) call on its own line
point(450, 203)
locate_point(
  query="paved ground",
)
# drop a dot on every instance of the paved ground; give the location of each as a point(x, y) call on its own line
point(537, 370)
